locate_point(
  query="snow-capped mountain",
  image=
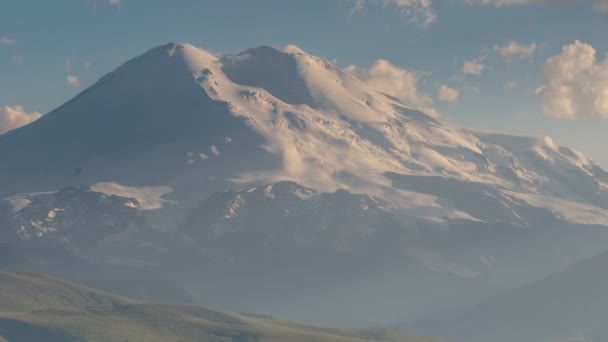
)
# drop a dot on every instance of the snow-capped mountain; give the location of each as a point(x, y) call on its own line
point(178, 116)
point(72, 215)
point(274, 156)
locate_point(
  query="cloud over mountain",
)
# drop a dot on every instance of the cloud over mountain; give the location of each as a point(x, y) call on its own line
point(393, 80)
point(12, 117)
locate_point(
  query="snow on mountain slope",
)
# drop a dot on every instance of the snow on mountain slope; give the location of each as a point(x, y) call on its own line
point(75, 214)
point(183, 118)
point(280, 156)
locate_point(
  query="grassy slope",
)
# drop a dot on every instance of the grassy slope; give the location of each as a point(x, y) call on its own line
point(36, 308)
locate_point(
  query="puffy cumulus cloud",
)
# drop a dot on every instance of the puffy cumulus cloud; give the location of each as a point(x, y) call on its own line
point(392, 80)
point(7, 41)
point(448, 94)
point(513, 49)
point(12, 117)
point(577, 83)
point(418, 11)
point(73, 81)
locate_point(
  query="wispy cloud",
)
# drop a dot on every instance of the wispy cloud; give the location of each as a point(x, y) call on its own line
point(7, 41)
point(68, 64)
point(417, 11)
point(114, 3)
point(510, 85)
point(599, 5)
point(395, 81)
point(392, 80)
point(472, 67)
point(513, 49)
point(214, 150)
point(17, 59)
point(102, 2)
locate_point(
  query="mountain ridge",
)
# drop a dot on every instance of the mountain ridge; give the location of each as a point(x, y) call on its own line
point(278, 169)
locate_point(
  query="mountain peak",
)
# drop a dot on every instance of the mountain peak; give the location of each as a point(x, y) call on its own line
point(179, 115)
point(273, 69)
point(181, 55)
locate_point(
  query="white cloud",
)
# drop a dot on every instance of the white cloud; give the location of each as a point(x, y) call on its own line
point(7, 41)
point(510, 85)
point(448, 94)
point(214, 150)
point(514, 49)
point(73, 80)
point(418, 11)
point(395, 81)
point(473, 67)
point(506, 2)
point(114, 3)
point(87, 66)
point(12, 117)
point(599, 5)
point(392, 80)
point(577, 83)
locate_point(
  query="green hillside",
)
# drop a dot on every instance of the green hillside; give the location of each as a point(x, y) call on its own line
point(37, 308)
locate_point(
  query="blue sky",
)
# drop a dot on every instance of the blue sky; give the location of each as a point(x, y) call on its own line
point(42, 42)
